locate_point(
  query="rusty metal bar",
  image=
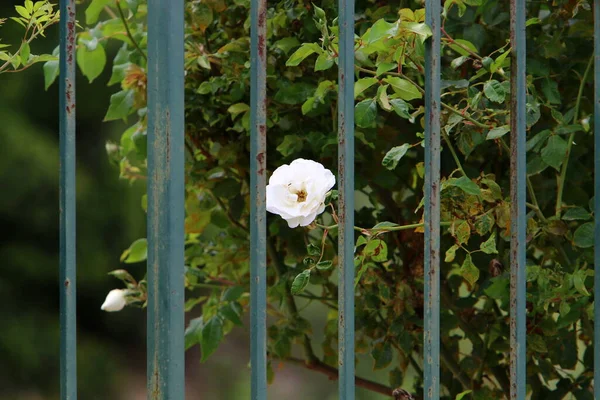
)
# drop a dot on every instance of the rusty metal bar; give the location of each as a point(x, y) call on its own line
point(258, 217)
point(68, 269)
point(166, 190)
point(518, 195)
point(431, 364)
point(346, 199)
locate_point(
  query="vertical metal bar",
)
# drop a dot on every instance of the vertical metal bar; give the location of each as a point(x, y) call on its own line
point(67, 280)
point(518, 197)
point(431, 363)
point(597, 198)
point(165, 328)
point(258, 217)
point(346, 199)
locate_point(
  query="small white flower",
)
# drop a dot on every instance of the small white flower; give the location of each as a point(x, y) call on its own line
point(115, 300)
point(297, 191)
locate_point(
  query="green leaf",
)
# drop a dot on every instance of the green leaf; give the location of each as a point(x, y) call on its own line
point(401, 108)
point(377, 250)
point(393, 156)
point(536, 343)
point(550, 90)
point(232, 293)
point(584, 235)
point(579, 282)
point(291, 144)
point(193, 333)
point(494, 91)
point(382, 98)
point(380, 29)
point(451, 253)
point(469, 271)
point(212, 335)
point(489, 246)
point(25, 53)
point(577, 213)
point(457, 62)
point(459, 45)
point(406, 90)
point(498, 132)
point(462, 232)
point(382, 355)
point(420, 29)
point(460, 396)
point(313, 250)
point(232, 312)
point(365, 113)
point(304, 51)
point(363, 84)
point(238, 108)
point(92, 12)
point(51, 69)
point(300, 281)
point(324, 62)
point(324, 265)
point(121, 105)
point(286, 44)
point(91, 62)
point(555, 151)
point(137, 252)
point(533, 21)
point(385, 67)
point(467, 185)
point(499, 289)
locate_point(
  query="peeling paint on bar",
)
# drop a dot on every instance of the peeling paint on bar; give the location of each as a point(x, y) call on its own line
point(68, 269)
point(597, 198)
point(165, 328)
point(346, 199)
point(518, 196)
point(258, 213)
point(431, 365)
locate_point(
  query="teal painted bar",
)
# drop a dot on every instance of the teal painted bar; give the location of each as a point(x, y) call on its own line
point(431, 337)
point(518, 195)
point(68, 269)
point(346, 199)
point(258, 213)
point(597, 198)
point(165, 329)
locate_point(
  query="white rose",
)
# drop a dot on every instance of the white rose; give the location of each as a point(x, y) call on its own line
point(297, 191)
point(115, 300)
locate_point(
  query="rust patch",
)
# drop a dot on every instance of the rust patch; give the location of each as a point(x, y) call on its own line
point(260, 157)
point(67, 282)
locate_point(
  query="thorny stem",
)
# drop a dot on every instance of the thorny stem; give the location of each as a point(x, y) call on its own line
point(565, 165)
point(124, 20)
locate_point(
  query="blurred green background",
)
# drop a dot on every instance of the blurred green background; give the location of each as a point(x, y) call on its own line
point(111, 346)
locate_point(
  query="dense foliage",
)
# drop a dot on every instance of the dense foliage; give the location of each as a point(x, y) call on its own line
point(302, 73)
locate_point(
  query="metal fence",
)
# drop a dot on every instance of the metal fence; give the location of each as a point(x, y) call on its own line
point(165, 330)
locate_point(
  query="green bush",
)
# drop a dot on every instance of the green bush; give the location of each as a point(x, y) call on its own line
point(302, 96)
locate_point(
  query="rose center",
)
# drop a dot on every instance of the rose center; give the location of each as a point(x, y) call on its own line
point(301, 196)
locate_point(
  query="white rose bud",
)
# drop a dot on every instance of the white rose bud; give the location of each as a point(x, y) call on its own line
point(297, 191)
point(115, 300)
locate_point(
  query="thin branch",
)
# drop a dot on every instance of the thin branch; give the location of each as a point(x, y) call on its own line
point(124, 20)
point(333, 373)
point(563, 171)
